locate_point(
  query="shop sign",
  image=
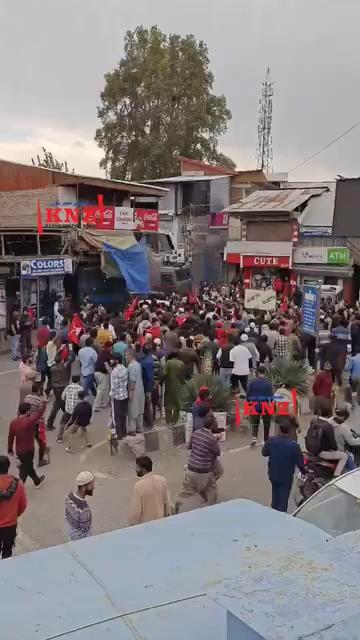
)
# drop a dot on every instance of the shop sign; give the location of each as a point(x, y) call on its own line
point(310, 309)
point(322, 255)
point(260, 299)
point(147, 220)
point(98, 216)
point(338, 255)
point(280, 262)
point(219, 220)
point(45, 267)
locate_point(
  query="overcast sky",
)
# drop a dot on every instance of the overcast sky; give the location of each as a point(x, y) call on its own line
point(53, 57)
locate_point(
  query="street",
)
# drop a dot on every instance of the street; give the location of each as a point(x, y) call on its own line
point(42, 525)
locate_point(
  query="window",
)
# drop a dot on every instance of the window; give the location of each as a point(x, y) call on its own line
point(332, 510)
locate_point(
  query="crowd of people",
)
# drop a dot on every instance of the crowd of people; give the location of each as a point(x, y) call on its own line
point(135, 363)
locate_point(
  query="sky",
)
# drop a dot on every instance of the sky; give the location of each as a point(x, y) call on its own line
point(53, 57)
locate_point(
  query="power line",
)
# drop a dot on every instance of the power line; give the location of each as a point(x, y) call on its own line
point(329, 144)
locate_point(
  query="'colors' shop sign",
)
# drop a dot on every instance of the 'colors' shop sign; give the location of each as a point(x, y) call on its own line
point(45, 267)
point(273, 262)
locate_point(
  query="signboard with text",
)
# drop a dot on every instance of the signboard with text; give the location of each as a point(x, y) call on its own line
point(147, 220)
point(280, 262)
point(260, 299)
point(310, 309)
point(322, 255)
point(45, 267)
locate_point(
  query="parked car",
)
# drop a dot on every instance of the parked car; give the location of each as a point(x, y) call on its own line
point(335, 508)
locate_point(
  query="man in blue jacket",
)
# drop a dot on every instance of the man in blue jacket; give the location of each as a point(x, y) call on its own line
point(260, 390)
point(284, 455)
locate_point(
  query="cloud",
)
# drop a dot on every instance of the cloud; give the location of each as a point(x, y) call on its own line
point(79, 150)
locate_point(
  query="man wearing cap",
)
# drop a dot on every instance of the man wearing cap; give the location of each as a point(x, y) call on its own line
point(78, 516)
point(241, 358)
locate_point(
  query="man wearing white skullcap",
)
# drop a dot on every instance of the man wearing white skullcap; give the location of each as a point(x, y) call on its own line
point(78, 517)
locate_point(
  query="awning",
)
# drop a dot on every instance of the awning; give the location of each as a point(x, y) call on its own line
point(324, 270)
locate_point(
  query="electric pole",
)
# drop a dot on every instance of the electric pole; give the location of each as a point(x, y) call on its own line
point(264, 148)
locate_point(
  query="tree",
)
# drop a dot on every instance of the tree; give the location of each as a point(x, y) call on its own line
point(157, 104)
point(48, 161)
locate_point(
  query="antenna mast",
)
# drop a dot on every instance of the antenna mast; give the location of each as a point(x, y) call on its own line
point(264, 148)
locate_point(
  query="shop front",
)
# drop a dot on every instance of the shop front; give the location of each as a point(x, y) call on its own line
point(41, 279)
point(269, 270)
point(328, 265)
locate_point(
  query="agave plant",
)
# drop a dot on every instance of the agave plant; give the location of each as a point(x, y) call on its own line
point(219, 392)
point(296, 375)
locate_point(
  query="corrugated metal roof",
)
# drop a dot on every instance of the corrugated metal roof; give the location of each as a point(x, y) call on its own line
point(319, 211)
point(276, 201)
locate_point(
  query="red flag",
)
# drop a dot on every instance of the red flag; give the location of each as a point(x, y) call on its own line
point(129, 312)
point(237, 413)
point(75, 328)
point(39, 219)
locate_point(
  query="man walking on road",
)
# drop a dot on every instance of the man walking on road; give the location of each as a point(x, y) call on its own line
point(12, 505)
point(260, 390)
point(78, 516)
point(60, 375)
point(119, 395)
point(151, 500)
point(22, 432)
point(102, 377)
point(284, 455)
point(204, 469)
point(70, 397)
point(88, 357)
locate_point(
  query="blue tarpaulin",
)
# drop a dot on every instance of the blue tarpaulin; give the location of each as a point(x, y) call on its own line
point(133, 264)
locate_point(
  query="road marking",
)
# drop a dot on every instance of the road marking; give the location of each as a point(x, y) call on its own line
point(246, 446)
point(3, 373)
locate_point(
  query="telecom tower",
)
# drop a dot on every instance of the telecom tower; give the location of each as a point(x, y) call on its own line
point(264, 148)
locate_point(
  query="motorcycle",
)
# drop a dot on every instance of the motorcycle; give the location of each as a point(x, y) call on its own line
point(318, 474)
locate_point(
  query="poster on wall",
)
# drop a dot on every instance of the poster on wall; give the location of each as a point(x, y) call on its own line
point(262, 300)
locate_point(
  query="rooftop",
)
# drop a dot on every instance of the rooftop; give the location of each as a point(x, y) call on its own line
point(153, 581)
point(274, 201)
point(44, 177)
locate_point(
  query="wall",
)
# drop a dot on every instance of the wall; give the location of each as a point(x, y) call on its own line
point(269, 231)
point(168, 202)
point(18, 209)
point(16, 177)
point(219, 194)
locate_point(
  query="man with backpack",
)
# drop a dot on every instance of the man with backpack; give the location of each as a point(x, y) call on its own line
point(320, 441)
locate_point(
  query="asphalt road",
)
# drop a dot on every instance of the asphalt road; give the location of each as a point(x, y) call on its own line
point(42, 525)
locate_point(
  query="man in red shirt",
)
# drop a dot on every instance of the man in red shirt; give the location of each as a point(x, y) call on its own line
point(22, 431)
point(12, 505)
point(323, 389)
point(43, 333)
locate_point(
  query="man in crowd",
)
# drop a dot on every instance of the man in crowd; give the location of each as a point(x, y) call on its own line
point(60, 376)
point(284, 455)
point(12, 505)
point(204, 468)
point(260, 390)
point(78, 516)
point(102, 377)
point(36, 401)
point(70, 397)
point(80, 419)
point(147, 366)
point(22, 433)
point(119, 395)
point(151, 499)
point(136, 393)
point(88, 357)
point(241, 358)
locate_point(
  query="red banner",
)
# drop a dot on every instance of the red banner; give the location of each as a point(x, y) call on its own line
point(219, 220)
point(148, 219)
point(101, 218)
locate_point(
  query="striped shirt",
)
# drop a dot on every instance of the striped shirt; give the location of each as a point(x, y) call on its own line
point(78, 519)
point(204, 451)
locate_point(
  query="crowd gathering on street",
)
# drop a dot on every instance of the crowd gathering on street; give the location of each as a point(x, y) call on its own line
point(134, 365)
